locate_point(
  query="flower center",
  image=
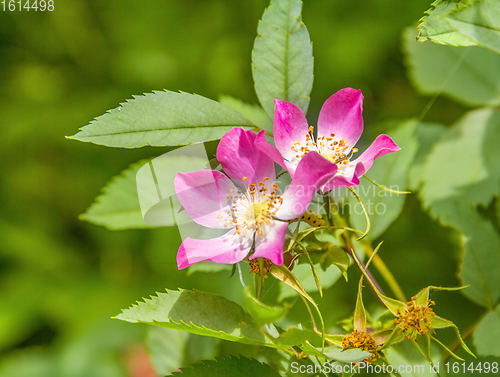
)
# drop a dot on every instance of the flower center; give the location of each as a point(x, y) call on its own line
point(253, 210)
point(336, 151)
point(415, 319)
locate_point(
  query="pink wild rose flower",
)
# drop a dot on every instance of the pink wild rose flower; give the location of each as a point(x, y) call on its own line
point(248, 203)
point(340, 126)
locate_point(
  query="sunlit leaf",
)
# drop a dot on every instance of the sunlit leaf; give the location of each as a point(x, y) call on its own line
point(118, 207)
point(467, 74)
point(479, 21)
point(231, 366)
point(161, 119)
point(282, 61)
point(435, 27)
point(254, 113)
point(198, 313)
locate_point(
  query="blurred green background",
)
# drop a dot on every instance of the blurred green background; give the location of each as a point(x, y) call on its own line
point(62, 279)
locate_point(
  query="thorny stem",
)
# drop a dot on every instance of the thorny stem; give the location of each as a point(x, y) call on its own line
point(386, 274)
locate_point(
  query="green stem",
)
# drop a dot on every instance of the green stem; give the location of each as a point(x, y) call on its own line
point(326, 200)
point(258, 280)
point(368, 225)
point(387, 188)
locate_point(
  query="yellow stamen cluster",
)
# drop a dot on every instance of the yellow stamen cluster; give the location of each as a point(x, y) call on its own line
point(337, 151)
point(415, 320)
point(363, 341)
point(252, 210)
point(255, 266)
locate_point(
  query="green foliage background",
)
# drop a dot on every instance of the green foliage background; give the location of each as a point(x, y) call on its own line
point(61, 279)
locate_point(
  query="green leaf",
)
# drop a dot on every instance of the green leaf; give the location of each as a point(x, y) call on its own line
point(336, 353)
point(171, 349)
point(486, 334)
point(456, 182)
point(391, 171)
point(346, 356)
point(337, 256)
point(472, 177)
point(161, 119)
point(297, 337)
point(261, 313)
point(231, 366)
point(118, 207)
point(198, 313)
point(428, 134)
point(482, 257)
point(435, 27)
point(166, 348)
point(478, 21)
point(467, 74)
point(282, 61)
point(254, 113)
